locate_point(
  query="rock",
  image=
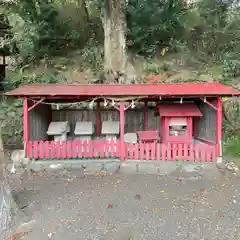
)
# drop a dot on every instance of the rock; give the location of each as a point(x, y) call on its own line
point(111, 167)
point(27, 226)
point(235, 169)
point(230, 168)
point(222, 166)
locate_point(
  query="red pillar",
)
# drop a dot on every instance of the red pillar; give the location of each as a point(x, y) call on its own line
point(98, 120)
point(219, 127)
point(122, 153)
point(146, 116)
point(25, 123)
point(195, 127)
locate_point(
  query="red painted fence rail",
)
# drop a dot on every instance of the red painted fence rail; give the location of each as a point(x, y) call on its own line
point(171, 152)
point(112, 149)
point(73, 149)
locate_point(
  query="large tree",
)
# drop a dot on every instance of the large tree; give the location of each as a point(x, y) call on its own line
point(8, 207)
point(114, 24)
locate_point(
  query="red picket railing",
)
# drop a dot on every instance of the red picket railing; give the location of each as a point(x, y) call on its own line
point(171, 152)
point(112, 149)
point(73, 149)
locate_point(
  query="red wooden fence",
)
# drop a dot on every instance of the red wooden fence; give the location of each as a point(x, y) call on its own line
point(112, 149)
point(171, 152)
point(74, 149)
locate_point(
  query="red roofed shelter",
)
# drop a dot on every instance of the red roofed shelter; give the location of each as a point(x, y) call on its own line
point(136, 121)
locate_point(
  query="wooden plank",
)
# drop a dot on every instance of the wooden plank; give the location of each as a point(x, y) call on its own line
point(203, 152)
point(141, 151)
point(35, 149)
point(214, 155)
point(107, 149)
point(131, 151)
point(197, 153)
point(191, 152)
point(74, 149)
point(52, 150)
point(208, 153)
point(96, 148)
point(41, 150)
point(101, 148)
point(113, 148)
point(180, 151)
point(185, 151)
point(164, 151)
point(85, 148)
point(126, 150)
point(147, 151)
point(158, 151)
point(58, 150)
point(69, 149)
point(90, 149)
point(136, 151)
point(64, 148)
point(174, 152)
point(118, 149)
point(169, 151)
point(29, 147)
point(46, 148)
point(153, 151)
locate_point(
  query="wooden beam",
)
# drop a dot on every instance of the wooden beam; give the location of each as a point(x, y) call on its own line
point(98, 120)
point(219, 127)
point(25, 124)
point(122, 153)
point(35, 104)
point(146, 116)
point(208, 103)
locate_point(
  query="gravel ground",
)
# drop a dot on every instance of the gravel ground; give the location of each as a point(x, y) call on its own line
point(131, 207)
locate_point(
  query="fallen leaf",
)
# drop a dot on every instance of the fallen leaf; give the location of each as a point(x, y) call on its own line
point(16, 235)
point(110, 205)
point(203, 190)
point(180, 179)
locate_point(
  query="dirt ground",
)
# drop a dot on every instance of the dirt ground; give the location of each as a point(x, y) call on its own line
point(67, 205)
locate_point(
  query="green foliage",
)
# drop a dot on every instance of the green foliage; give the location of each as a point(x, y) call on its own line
point(39, 31)
point(153, 68)
point(17, 80)
point(93, 56)
point(154, 23)
point(11, 121)
point(214, 33)
point(232, 146)
point(231, 68)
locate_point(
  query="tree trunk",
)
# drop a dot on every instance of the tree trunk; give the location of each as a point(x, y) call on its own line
point(8, 207)
point(115, 56)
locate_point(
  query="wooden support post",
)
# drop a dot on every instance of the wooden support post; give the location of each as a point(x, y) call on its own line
point(190, 128)
point(25, 124)
point(146, 116)
point(195, 122)
point(98, 120)
point(122, 153)
point(219, 128)
point(49, 114)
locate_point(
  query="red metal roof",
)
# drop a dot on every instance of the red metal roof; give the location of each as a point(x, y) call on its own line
point(63, 90)
point(179, 110)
